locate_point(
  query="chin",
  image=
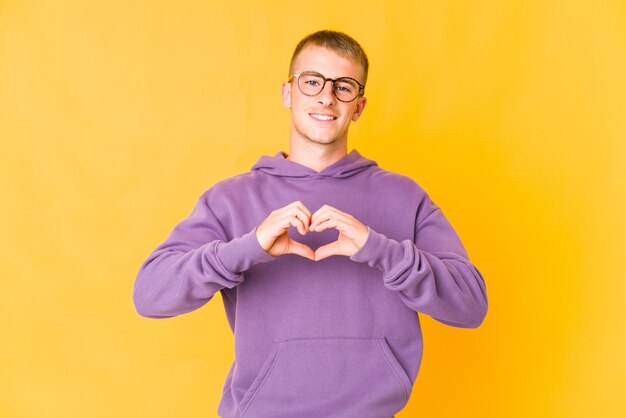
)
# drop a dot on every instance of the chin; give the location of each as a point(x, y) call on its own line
point(318, 136)
point(323, 140)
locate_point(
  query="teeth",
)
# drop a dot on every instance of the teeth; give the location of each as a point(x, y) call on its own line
point(322, 117)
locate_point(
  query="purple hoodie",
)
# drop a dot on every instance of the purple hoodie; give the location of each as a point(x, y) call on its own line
point(336, 338)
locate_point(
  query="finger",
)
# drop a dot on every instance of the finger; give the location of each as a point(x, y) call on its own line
point(280, 225)
point(305, 209)
point(300, 249)
point(327, 208)
point(330, 216)
point(297, 204)
point(294, 216)
point(321, 215)
point(301, 213)
point(330, 211)
point(304, 218)
point(298, 224)
point(352, 230)
point(327, 250)
point(320, 212)
point(330, 223)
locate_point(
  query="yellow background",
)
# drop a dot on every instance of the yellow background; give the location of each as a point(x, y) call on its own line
point(116, 115)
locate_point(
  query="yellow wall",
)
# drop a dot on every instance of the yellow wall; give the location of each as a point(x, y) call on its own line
point(116, 115)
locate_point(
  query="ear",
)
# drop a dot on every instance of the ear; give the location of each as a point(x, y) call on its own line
point(360, 105)
point(286, 94)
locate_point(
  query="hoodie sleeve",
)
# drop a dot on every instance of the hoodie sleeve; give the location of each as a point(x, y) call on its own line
point(432, 275)
point(195, 261)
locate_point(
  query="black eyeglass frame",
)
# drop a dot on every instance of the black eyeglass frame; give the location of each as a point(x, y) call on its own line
point(359, 93)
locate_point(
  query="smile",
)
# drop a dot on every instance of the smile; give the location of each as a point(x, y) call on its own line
point(322, 117)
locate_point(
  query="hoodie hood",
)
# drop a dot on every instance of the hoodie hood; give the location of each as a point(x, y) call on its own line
point(278, 165)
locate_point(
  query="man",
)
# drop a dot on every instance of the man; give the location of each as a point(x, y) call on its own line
point(324, 320)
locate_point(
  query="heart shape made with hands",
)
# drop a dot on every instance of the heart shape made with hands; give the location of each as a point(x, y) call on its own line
point(352, 235)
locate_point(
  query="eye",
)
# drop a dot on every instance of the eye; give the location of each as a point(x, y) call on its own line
point(344, 87)
point(311, 80)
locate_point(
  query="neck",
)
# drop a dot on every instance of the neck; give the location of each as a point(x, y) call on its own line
point(316, 156)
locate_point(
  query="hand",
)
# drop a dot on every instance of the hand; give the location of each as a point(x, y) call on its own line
point(272, 232)
point(352, 233)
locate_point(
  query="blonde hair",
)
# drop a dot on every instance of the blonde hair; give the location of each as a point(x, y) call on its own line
point(338, 42)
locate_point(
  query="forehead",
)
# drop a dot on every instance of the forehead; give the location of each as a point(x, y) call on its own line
point(327, 62)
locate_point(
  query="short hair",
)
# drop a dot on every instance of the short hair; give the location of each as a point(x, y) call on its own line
point(338, 42)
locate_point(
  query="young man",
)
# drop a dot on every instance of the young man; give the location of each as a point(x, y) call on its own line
point(324, 314)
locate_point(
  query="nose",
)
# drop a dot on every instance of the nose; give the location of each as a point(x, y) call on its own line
point(327, 96)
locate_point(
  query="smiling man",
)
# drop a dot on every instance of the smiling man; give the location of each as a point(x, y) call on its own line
point(323, 260)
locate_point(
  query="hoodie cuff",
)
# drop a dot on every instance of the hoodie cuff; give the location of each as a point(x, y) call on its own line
point(380, 252)
point(239, 254)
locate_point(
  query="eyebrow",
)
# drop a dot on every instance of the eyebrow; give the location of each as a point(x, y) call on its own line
point(334, 79)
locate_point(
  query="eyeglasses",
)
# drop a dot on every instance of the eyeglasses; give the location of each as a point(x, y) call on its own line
point(311, 83)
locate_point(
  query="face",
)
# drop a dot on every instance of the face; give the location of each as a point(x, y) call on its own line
point(322, 119)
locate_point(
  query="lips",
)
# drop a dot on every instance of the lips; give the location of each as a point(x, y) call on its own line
point(323, 117)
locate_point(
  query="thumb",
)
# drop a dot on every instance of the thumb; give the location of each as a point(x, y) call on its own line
point(327, 250)
point(300, 249)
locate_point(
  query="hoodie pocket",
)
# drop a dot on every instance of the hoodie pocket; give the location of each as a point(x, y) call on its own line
point(330, 376)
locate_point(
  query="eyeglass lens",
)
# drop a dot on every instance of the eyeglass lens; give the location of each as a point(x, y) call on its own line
point(311, 84)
